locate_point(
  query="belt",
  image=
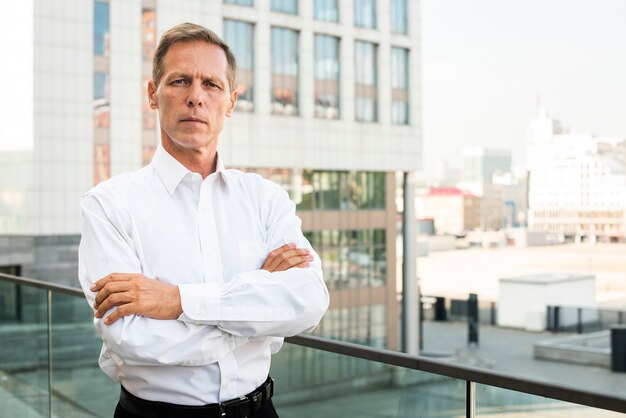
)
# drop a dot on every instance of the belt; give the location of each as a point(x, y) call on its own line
point(235, 408)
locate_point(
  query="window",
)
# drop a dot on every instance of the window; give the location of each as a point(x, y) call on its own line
point(398, 16)
point(284, 71)
point(365, 82)
point(148, 115)
point(365, 13)
point(326, 77)
point(285, 6)
point(240, 2)
point(240, 38)
point(399, 86)
point(101, 28)
point(326, 10)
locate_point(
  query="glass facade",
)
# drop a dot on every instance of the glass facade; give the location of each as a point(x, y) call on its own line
point(399, 86)
point(399, 16)
point(148, 115)
point(326, 10)
point(365, 13)
point(284, 71)
point(240, 38)
point(366, 95)
point(285, 6)
point(101, 28)
point(326, 77)
point(241, 2)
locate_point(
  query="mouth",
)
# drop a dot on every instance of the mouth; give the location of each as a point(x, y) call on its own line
point(192, 120)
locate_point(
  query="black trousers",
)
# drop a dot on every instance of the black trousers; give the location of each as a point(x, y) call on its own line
point(266, 411)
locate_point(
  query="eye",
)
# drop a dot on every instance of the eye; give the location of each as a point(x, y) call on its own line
point(211, 84)
point(179, 82)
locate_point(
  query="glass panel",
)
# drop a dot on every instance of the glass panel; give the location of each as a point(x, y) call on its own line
point(365, 13)
point(366, 82)
point(240, 2)
point(239, 37)
point(326, 10)
point(81, 389)
point(399, 86)
point(285, 6)
point(148, 46)
point(326, 77)
point(494, 401)
point(313, 383)
point(398, 16)
point(24, 390)
point(101, 28)
point(284, 71)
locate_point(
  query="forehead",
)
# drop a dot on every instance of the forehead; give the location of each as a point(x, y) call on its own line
point(196, 57)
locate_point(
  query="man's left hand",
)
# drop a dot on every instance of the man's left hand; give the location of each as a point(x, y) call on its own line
point(135, 294)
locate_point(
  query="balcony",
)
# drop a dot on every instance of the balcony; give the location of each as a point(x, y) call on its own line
point(48, 368)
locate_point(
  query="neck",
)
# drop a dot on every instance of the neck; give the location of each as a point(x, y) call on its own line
point(201, 160)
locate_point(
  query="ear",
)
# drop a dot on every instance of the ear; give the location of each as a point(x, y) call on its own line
point(233, 99)
point(152, 98)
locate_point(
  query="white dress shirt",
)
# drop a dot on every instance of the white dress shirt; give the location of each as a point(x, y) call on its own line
point(210, 237)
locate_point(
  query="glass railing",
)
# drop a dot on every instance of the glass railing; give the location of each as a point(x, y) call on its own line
point(48, 368)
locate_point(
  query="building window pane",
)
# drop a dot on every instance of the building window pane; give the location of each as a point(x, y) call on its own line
point(240, 38)
point(326, 10)
point(326, 77)
point(240, 2)
point(101, 28)
point(284, 71)
point(399, 86)
point(285, 6)
point(365, 13)
point(101, 111)
point(366, 82)
point(398, 16)
point(148, 115)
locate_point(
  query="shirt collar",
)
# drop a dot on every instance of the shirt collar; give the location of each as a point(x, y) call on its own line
point(172, 172)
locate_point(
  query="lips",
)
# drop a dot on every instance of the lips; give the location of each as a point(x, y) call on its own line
point(192, 119)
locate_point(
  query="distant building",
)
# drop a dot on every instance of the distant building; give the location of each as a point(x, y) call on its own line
point(577, 183)
point(480, 164)
point(454, 211)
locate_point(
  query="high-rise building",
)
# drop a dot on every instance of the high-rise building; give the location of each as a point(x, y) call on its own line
point(577, 183)
point(328, 107)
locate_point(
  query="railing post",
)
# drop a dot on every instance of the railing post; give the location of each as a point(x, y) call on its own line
point(49, 353)
point(579, 325)
point(470, 400)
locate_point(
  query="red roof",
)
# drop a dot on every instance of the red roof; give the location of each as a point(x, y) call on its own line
point(449, 191)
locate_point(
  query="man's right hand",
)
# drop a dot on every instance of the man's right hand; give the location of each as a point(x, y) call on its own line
point(286, 257)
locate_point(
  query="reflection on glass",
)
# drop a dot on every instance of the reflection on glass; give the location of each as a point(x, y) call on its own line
point(148, 33)
point(322, 384)
point(398, 16)
point(366, 82)
point(399, 86)
point(101, 110)
point(326, 10)
point(101, 28)
point(492, 400)
point(239, 37)
point(80, 386)
point(326, 77)
point(285, 6)
point(23, 351)
point(240, 2)
point(365, 13)
point(284, 71)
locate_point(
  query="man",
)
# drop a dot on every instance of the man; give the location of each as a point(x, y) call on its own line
point(195, 272)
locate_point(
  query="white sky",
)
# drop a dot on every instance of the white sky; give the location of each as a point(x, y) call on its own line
point(485, 63)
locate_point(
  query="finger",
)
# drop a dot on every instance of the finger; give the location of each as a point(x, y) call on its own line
point(109, 289)
point(303, 264)
point(110, 278)
point(272, 255)
point(295, 252)
point(121, 311)
point(293, 261)
point(116, 299)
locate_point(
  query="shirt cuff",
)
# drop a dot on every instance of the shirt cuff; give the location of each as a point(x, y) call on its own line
point(201, 301)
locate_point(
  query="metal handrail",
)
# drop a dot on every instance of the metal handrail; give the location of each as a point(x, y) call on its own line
point(551, 390)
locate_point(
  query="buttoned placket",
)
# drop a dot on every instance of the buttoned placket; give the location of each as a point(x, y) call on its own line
point(212, 270)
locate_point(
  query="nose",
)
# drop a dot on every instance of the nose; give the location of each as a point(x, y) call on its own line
point(194, 98)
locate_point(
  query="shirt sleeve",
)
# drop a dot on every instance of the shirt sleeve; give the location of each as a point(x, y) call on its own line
point(259, 303)
point(107, 247)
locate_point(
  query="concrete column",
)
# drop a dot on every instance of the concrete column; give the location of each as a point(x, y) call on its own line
point(262, 60)
point(410, 292)
point(306, 57)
